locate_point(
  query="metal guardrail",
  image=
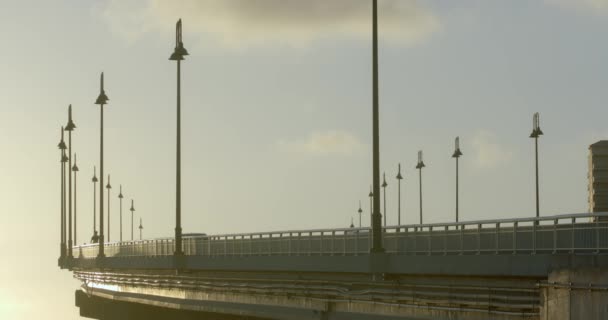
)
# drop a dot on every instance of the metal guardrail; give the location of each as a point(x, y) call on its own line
point(573, 234)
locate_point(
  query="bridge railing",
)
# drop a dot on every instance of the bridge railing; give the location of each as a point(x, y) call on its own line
point(574, 233)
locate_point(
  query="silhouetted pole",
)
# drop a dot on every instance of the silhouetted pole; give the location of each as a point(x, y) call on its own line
point(120, 199)
point(371, 207)
point(360, 211)
point(376, 215)
point(75, 170)
point(419, 166)
point(69, 128)
point(102, 99)
point(384, 185)
point(178, 55)
point(109, 186)
point(536, 133)
point(132, 210)
point(94, 179)
point(62, 161)
point(457, 154)
point(141, 228)
point(399, 178)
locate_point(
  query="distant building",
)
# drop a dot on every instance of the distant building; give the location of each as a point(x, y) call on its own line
point(598, 176)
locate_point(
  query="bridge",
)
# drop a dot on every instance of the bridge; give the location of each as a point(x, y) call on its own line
point(499, 269)
point(542, 267)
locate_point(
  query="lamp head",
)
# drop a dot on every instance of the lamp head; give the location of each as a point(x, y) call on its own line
point(420, 164)
point(399, 176)
point(70, 126)
point(384, 184)
point(94, 175)
point(102, 98)
point(75, 167)
point(61, 144)
point(179, 52)
point(108, 186)
point(132, 206)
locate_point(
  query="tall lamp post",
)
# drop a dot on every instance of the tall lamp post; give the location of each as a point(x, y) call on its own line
point(419, 166)
point(371, 206)
point(141, 228)
point(69, 128)
point(399, 178)
point(376, 215)
point(178, 55)
point(132, 210)
point(94, 180)
point(120, 199)
point(108, 186)
point(102, 99)
point(360, 211)
point(75, 170)
point(63, 160)
point(384, 185)
point(536, 133)
point(457, 153)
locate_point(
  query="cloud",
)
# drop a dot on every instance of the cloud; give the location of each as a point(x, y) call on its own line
point(487, 153)
point(239, 23)
point(598, 6)
point(323, 143)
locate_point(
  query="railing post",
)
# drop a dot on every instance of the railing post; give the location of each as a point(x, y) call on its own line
point(299, 243)
point(309, 243)
point(554, 236)
point(333, 236)
point(479, 238)
point(430, 242)
point(321, 244)
point(461, 239)
point(357, 243)
point(536, 222)
point(250, 244)
point(225, 245)
point(415, 240)
point(270, 244)
point(445, 241)
point(241, 249)
point(572, 236)
point(515, 237)
point(289, 244)
point(497, 237)
point(281, 244)
point(345, 237)
point(597, 234)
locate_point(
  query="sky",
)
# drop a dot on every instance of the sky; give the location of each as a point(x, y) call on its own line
point(276, 104)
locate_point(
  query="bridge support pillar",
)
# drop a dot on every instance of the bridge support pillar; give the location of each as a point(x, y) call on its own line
point(378, 265)
point(575, 294)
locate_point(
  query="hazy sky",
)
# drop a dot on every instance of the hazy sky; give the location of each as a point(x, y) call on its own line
point(277, 115)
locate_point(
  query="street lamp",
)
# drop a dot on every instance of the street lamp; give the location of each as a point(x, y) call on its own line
point(102, 99)
point(63, 159)
point(69, 128)
point(456, 155)
point(75, 170)
point(360, 211)
point(419, 166)
point(376, 215)
point(536, 133)
point(132, 210)
point(178, 55)
point(109, 186)
point(95, 237)
point(141, 228)
point(384, 185)
point(399, 178)
point(120, 199)
point(371, 206)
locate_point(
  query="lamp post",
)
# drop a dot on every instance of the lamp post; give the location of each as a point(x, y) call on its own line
point(120, 199)
point(109, 186)
point(75, 170)
point(456, 155)
point(102, 99)
point(399, 178)
point(63, 159)
point(94, 180)
point(419, 166)
point(376, 215)
point(384, 185)
point(371, 206)
point(178, 55)
point(141, 228)
point(69, 128)
point(536, 133)
point(360, 211)
point(132, 210)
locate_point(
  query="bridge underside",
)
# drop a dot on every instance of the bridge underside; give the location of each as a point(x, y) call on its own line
point(297, 295)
